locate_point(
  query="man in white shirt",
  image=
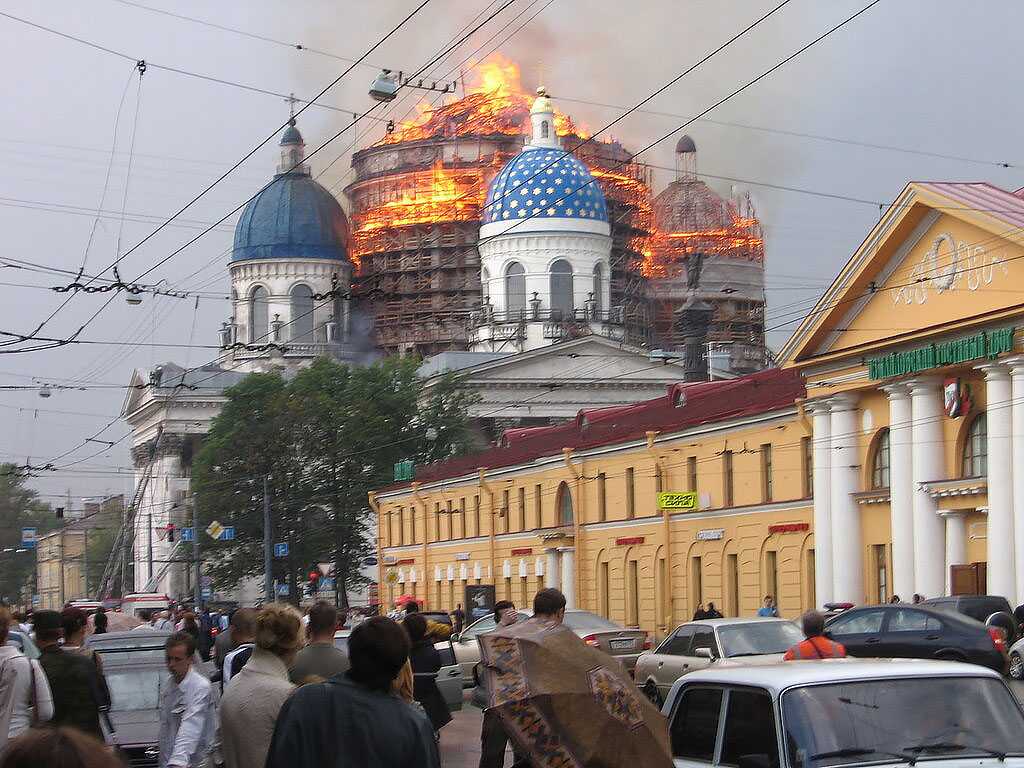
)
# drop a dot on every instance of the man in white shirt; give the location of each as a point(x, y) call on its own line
point(188, 713)
point(162, 620)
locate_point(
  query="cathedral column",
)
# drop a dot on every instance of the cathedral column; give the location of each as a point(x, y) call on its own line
point(848, 565)
point(1002, 572)
point(552, 576)
point(1016, 366)
point(569, 576)
point(821, 490)
point(901, 489)
point(928, 464)
point(956, 542)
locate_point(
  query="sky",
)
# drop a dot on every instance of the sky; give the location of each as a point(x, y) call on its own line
point(97, 162)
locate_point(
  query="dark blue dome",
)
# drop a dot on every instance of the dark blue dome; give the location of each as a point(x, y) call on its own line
point(544, 184)
point(293, 217)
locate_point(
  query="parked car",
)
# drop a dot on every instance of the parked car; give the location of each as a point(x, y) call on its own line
point(1016, 666)
point(988, 609)
point(840, 712)
point(621, 643)
point(917, 632)
point(697, 644)
point(449, 679)
point(135, 707)
point(132, 645)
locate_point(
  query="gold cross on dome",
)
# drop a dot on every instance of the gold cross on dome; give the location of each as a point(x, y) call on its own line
point(540, 70)
point(292, 101)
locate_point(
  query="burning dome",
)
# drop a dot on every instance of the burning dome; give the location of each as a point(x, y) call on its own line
point(292, 217)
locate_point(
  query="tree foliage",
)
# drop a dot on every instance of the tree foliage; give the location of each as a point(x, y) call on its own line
point(20, 507)
point(323, 440)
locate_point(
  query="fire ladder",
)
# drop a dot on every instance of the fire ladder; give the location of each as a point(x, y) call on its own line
point(115, 570)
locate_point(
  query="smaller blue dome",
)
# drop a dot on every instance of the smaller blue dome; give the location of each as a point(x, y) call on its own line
point(544, 183)
point(291, 135)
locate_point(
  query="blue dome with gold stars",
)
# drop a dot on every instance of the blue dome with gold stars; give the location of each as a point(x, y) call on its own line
point(544, 183)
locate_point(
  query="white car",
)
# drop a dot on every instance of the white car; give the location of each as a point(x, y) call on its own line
point(845, 712)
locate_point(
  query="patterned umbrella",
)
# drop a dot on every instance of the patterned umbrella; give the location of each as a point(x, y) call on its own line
point(568, 705)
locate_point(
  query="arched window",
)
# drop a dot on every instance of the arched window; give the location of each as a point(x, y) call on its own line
point(564, 504)
point(880, 460)
point(485, 283)
point(302, 314)
point(544, 129)
point(975, 457)
point(598, 288)
point(515, 286)
point(259, 315)
point(561, 286)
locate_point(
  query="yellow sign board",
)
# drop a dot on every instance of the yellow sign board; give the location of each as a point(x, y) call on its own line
point(391, 577)
point(677, 501)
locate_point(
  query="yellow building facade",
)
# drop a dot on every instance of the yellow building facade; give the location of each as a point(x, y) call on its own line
point(878, 460)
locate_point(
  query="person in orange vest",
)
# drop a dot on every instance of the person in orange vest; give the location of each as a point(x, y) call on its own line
point(816, 646)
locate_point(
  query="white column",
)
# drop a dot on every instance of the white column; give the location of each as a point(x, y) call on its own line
point(822, 500)
point(1002, 573)
point(1016, 365)
point(927, 464)
point(569, 576)
point(551, 575)
point(901, 490)
point(848, 566)
point(956, 542)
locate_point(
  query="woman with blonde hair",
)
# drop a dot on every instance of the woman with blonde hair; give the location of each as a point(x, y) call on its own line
point(249, 706)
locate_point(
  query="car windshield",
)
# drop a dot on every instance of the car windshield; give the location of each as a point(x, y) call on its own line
point(583, 620)
point(760, 637)
point(134, 689)
point(132, 653)
point(912, 719)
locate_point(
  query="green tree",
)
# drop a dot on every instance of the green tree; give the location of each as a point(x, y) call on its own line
point(337, 436)
point(20, 507)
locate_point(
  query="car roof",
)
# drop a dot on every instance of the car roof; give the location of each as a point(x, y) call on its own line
point(931, 610)
point(130, 639)
point(737, 620)
point(777, 676)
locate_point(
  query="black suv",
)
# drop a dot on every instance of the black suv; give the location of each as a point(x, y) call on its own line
point(983, 608)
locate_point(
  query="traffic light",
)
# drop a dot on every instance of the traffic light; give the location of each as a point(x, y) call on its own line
point(170, 531)
point(314, 579)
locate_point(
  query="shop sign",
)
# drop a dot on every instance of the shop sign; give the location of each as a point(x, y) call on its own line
point(711, 534)
point(630, 540)
point(462, 555)
point(677, 501)
point(389, 560)
point(523, 551)
point(789, 528)
point(407, 561)
point(947, 353)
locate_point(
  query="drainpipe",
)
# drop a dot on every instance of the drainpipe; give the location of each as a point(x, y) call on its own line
point(371, 497)
point(577, 473)
point(666, 519)
point(482, 479)
point(416, 495)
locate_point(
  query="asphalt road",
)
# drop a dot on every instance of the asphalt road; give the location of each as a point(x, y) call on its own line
point(460, 739)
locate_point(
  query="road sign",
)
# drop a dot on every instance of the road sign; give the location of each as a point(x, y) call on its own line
point(206, 581)
point(370, 561)
point(283, 590)
point(37, 599)
point(281, 550)
point(28, 537)
point(326, 569)
point(215, 530)
point(188, 534)
point(206, 593)
point(391, 577)
point(327, 584)
point(677, 501)
point(229, 533)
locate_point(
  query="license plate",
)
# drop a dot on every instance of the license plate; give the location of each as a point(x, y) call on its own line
point(621, 645)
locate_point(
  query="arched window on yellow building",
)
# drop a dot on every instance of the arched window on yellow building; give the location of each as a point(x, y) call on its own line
point(975, 456)
point(880, 460)
point(564, 504)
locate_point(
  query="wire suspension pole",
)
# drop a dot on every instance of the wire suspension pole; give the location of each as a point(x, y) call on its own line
point(268, 574)
point(197, 592)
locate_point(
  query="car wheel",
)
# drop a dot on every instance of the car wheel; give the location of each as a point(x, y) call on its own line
point(651, 692)
point(1016, 670)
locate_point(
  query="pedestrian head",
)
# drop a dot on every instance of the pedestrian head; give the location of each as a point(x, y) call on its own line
point(5, 623)
point(47, 627)
point(894, 599)
point(711, 606)
point(241, 625)
point(278, 629)
point(813, 624)
point(549, 604)
point(412, 607)
point(768, 600)
point(504, 612)
point(64, 747)
point(323, 620)
point(73, 621)
point(377, 650)
point(145, 615)
point(179, 651)
point(918, 598)
point(416, 626)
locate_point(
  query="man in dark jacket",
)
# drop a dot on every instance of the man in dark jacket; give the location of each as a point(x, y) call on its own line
point(77, 687)
point(355, 720)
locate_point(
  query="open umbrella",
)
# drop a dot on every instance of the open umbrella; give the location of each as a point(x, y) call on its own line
point(404, 599)
point(567, 704)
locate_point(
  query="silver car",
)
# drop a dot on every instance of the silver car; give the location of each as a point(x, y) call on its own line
point(697, 644)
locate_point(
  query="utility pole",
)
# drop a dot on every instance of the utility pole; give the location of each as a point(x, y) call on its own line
point(197, 591)
point(61, 584)
point(149, 544)
point(268, 575)
point(85, 562)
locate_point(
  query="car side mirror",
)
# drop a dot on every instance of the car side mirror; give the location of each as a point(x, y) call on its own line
point(757, 760)
point(456, 637)
point(704, 653)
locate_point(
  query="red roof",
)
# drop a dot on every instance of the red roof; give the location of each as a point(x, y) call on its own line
point(704, 402)
point(982, 197)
